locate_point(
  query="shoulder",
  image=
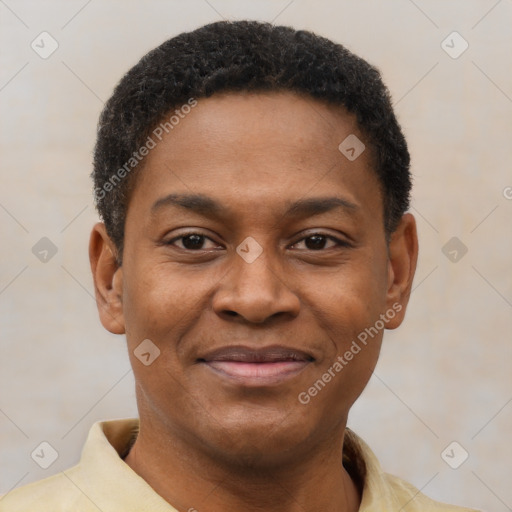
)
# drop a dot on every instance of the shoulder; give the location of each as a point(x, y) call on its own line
point(413, 500)
point(383, 491)
point(56, 493)
point(87, 485)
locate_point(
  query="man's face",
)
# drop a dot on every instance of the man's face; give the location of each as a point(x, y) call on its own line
point(259, 298)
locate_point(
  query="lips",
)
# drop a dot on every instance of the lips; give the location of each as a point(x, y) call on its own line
point(257, 367)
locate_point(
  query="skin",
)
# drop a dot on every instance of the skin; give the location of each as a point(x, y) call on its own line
point(208, 441)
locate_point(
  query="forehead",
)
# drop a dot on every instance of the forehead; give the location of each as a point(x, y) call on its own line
point(266, 147)
point(257, 122)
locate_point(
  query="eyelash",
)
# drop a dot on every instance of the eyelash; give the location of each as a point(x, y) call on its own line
point(339, 243)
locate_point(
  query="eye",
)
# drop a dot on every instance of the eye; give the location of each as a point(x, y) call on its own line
point(318, 241)
point(315, 242)
point(192, 242)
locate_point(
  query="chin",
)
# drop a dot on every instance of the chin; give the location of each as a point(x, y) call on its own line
point(257, 445)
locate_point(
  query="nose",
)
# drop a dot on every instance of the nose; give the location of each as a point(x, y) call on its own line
point(255, 291)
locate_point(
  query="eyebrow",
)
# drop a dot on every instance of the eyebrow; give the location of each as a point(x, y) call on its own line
point(208, 207)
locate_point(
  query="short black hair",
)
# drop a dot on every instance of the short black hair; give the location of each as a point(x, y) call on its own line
point(236, 56)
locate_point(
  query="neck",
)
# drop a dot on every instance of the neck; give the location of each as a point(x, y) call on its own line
point(191, 480)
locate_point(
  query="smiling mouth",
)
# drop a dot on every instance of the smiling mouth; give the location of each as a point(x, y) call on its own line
point(257, 367)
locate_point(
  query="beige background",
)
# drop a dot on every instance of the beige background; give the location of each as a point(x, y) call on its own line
point(444, 376)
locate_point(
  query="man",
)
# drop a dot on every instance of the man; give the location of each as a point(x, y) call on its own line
point(253, 184)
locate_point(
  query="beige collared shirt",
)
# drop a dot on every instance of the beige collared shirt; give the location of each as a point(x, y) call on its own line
point(103, 482)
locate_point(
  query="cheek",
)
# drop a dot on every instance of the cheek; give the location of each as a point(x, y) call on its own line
point(348, 307)
point(161, 303)
point(365, 303)
point(349, 313)
point(355, 296)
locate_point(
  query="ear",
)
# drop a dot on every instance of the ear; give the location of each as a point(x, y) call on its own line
point(403, 256)
point(108, 279)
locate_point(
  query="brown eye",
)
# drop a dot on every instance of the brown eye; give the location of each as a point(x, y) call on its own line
point(316, 242)
point(192, 242)
point(319, 241)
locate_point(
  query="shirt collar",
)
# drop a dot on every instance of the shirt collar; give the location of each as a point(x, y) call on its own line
point(102, 469)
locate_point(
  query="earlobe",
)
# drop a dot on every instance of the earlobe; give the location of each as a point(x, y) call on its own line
point(108, 279)
point(403, 256)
